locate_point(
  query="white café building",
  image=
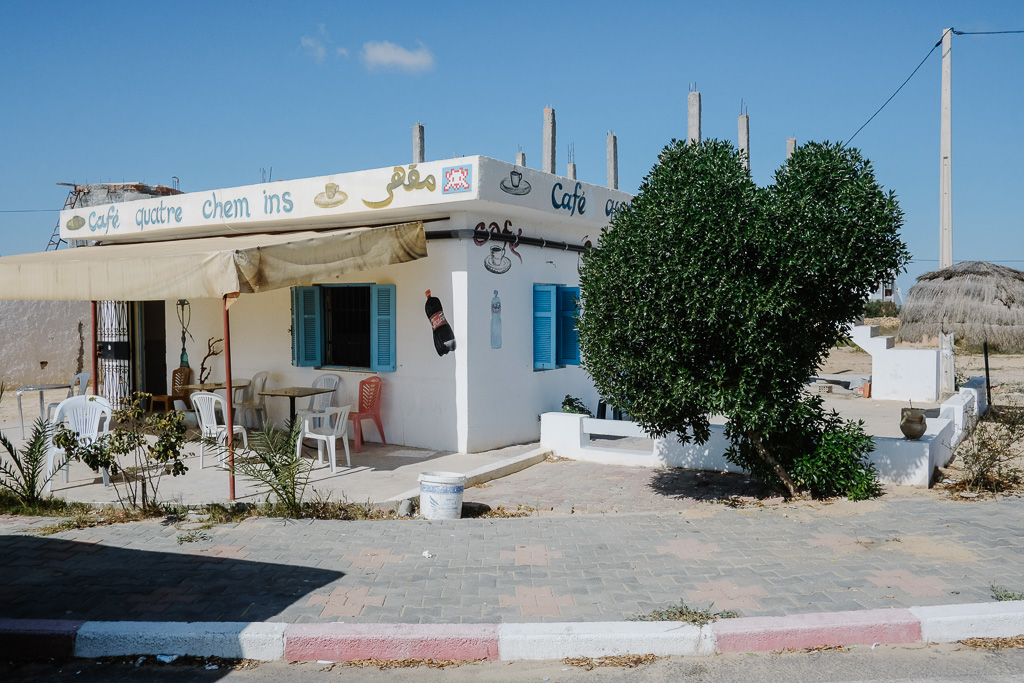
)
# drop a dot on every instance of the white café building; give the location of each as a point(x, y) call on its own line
point(330, 275)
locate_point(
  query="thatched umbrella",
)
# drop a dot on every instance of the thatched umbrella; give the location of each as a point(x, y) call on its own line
point(978, 302)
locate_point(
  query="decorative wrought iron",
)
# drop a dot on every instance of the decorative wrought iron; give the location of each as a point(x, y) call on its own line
point(114, 365)
point(184, 317)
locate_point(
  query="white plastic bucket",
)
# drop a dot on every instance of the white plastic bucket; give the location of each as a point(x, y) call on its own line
point(441, 495)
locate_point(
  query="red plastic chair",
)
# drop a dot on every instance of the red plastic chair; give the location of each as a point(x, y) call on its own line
point(369, 408)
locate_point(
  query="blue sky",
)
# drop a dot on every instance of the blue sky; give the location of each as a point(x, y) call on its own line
point(211, 92)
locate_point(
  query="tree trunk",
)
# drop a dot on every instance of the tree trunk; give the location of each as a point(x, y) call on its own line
point(777, 467)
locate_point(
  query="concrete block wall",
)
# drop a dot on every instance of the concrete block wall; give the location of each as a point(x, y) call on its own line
point(44, 342)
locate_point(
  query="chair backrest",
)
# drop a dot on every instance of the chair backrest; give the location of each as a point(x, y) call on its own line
point(205, 403)
point(83, 415)
point(82, 380)
point(179, 378)
point(258, 384)
point(340, 416)
point(322, 401)
point(369, 395)
point(336, 422)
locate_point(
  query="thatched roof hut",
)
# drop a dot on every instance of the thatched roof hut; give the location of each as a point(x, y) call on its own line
point(975, 300)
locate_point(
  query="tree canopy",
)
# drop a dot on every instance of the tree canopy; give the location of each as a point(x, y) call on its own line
point(708, 295)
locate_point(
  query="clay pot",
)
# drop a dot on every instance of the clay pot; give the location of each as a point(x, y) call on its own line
point(913, 424)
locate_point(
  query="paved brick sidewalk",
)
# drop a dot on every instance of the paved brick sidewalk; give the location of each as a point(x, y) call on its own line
point(758, 561)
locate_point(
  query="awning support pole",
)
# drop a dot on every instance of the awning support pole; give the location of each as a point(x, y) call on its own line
point(229, 418)
point(95, 352)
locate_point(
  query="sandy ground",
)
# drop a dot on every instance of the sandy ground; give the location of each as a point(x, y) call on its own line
point(1007, 371)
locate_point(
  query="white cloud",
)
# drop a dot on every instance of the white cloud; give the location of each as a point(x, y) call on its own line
point(385, 55)
point(314, 47)
point(319, 45)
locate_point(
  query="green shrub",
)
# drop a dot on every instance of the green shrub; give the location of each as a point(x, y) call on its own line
point(881, 309)
point(824, 454)
point(571, 404)
point(275, 467)
point(135, 459)
point(25, 474)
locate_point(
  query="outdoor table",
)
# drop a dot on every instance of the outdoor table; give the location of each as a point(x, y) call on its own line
point(42, 409)
point(213, 386)
point(292, 393)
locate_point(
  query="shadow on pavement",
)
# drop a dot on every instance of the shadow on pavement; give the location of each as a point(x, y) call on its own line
point(48, 578)
point(699, 485)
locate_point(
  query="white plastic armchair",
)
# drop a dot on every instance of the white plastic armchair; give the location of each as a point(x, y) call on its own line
point(319, 403)
point(335, 427)
point(206, 404)
point(82, 380)
point(82, 415)
point(253, 405)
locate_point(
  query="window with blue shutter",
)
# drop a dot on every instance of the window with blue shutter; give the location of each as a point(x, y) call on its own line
point(306, 326)
point(344, 326)
point(382, 327)
point(568, 340)
point(545, 328)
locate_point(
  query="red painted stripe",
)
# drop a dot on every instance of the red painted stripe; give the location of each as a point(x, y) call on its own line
point(344, 642)
point(34, 638)
point(762, 634)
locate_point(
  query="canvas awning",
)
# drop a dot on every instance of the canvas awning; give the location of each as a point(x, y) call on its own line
point(208, 267)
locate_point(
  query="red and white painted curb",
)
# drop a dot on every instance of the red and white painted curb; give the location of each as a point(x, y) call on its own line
point(27, 638)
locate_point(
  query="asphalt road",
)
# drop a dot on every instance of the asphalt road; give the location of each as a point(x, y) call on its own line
point(950, 662)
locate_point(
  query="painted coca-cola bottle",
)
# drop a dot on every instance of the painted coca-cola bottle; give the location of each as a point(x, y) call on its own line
point(444, 338)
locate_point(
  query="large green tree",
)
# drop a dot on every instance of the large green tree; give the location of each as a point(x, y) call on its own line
point(708, 295)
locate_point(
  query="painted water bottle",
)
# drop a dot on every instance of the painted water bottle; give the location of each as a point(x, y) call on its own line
point(495, 321)
point(444, 338)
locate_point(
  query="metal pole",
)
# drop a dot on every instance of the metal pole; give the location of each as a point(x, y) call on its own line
point(988, 380)
point(229, 418)
point(95, 352)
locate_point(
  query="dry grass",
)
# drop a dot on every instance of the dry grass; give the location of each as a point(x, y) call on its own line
point(622, 661)
point(385, 664)
point(1016, 642)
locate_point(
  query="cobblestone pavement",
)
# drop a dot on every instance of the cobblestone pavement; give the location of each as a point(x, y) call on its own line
point(758, 560)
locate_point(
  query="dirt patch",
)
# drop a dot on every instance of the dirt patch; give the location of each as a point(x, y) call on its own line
point(934, 549)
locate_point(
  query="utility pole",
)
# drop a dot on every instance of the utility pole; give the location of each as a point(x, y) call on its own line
point(946, 357)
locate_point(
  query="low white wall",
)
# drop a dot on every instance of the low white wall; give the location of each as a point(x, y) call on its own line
point(905, 375)
point(897, 461)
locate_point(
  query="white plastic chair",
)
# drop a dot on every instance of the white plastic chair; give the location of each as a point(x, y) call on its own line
point(82, 415)
point(206, 404)
point(335, 427)
point(82, 380)
point(253, 404)
point(319, 403)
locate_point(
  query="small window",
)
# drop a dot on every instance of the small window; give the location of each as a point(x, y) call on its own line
point(350, 326)
point(555, 339)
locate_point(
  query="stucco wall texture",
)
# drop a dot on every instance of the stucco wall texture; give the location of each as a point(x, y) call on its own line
point(43, 342)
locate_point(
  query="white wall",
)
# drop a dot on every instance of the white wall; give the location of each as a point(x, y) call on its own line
point(44, 342)
point(418, 406)
point(506, 395)
point(905, 375)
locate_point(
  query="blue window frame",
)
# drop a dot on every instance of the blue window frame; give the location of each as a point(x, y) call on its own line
point(352, 328)
point(555, 339)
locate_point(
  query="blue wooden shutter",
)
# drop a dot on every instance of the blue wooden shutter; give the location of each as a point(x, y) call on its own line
point(568, 339)
point(544, 327)
point(382, 328)
point(306, 329)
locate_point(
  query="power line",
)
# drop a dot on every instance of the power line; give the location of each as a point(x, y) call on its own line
point(981, 33)
point(934, 47)
point(29, 210)
point(954, 32)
